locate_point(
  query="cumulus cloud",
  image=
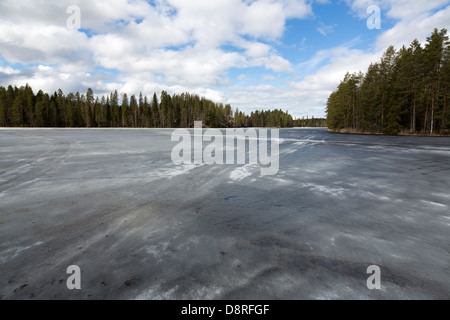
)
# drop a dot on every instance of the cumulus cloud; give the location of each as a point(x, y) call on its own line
point(414, 19)
point(411, 27)
point(9, 70)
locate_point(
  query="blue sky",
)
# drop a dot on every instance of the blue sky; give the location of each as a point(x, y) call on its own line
point(253, 54)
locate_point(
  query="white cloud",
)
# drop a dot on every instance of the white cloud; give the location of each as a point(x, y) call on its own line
point(256, 49)
point(414, 19)
point(325, 29)
point(414, 27)
point(9, 71)
point(269, 78)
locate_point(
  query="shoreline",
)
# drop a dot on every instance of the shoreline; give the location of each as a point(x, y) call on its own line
point(402, 134)
point(122, 128)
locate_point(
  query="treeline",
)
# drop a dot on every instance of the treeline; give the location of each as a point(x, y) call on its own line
point(270, 118)
point(310, 122)
point(406, 92)
point(20, 107)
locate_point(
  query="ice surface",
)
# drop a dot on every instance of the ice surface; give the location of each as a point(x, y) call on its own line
point(140, 227)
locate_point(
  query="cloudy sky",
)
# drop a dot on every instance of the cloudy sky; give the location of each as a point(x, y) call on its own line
point(253, 54)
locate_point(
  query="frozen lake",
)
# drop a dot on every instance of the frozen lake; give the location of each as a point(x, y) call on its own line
point(139, 227)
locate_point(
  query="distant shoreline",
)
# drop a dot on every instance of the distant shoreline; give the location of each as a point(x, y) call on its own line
point(403, 134)
point(150, 128)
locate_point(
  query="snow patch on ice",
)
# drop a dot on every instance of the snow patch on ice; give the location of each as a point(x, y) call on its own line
point(153, 294)
point(154, 251)
point(368, 194)
point(204, 293)
point(433, 203)
point(171, 172)
point(11, 253)
point(157, 250)
point(445, 195)
point(241, 173)
point(288, 151)
point(19, 170)
point(335, 192)
point(342, 292)
point(282, 182)
point(448, 220)
point(327, 296)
